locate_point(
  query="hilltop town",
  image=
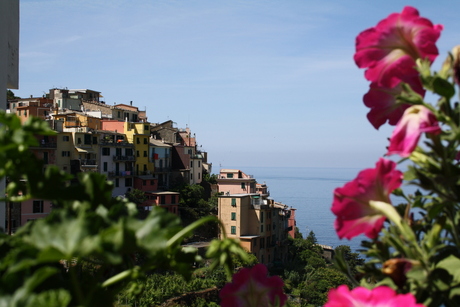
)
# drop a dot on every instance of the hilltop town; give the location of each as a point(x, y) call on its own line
point(137, 155)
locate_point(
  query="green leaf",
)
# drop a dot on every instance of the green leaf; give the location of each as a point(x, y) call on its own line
point(443, 87)
point(452, 265)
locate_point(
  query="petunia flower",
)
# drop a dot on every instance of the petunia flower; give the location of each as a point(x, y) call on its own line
point(352, 202)
point(382, 101)
point(415, 121)
point(251, 287)
point(389, 50)
point(363, 297)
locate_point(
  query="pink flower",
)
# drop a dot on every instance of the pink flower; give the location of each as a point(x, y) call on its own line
point(415, 121)
point(252, 287)
point(382, 102)
point(351, 202)
point(389, 49)
point(377, 297)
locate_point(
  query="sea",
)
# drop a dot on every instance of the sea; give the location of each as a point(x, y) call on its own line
point(310, 191)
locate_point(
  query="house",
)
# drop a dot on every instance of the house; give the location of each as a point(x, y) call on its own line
point(261, 224)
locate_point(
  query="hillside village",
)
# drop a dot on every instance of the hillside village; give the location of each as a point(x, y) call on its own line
point(135, 154)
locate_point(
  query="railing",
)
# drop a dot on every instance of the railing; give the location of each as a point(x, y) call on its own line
point(88, 162)
point(46, 145)
point(162, 169)
point(124, 158)
point(258, 207)
point(112, 143)
point(119, 174)
point(142, 173)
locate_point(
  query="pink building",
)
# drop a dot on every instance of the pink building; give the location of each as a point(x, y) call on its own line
point(33, 209)
point(234, 181)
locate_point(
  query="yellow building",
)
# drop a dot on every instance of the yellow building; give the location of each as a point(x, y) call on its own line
point(139, 135)
point(65, 151)
point(76, 120)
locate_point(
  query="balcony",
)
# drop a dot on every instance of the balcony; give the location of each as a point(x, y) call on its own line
point(120, 174)
point(143, 173)
point(119, 143)
point(45, 145)
point(162, 169)
point(124, 158)
point(88, 162)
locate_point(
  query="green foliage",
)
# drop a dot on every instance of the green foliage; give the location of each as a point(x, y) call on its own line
point(159, 287)
point(136, 196)
point(10, 95)
point(308, 276)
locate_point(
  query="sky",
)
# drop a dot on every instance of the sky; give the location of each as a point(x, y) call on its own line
point(260, 83)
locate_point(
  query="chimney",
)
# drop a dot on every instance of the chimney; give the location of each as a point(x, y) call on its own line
point(131, 102)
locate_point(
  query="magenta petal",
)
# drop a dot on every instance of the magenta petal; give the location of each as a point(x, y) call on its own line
point(377, 297)
point(351, 202)
point(252, 287)
point(415, 121)
point(389, 50)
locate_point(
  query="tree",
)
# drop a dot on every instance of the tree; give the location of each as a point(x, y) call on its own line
point(10, 95)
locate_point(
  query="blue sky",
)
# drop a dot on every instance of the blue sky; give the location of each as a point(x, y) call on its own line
point(260, 83)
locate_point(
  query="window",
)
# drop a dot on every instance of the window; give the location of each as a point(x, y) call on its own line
point(233, 216)
point(229, 175)
point(145, 141)
point(145, 153)
point(87, 140)
point(65, 138)
point(234, 202)
point(144, 182)
point(243, 186)
point(117, 183)
point(261, 228)
point(105, 166)
point(128, 152)
point(173, 199)
point(78, 140)
point(146, 128)
point(261, 217)
point(37, 206)
point(145, 167)
point(119, 115)
point(94, 139)
point(163, 199)
point(191, 164)
point(106, 151)
point(199, 162)
point(262, 242)
point(128, 182)
point(254, 243)
point(233, 230)
point(45, 157)
point(66, 153)
point(137, 153)
point(138, 141)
